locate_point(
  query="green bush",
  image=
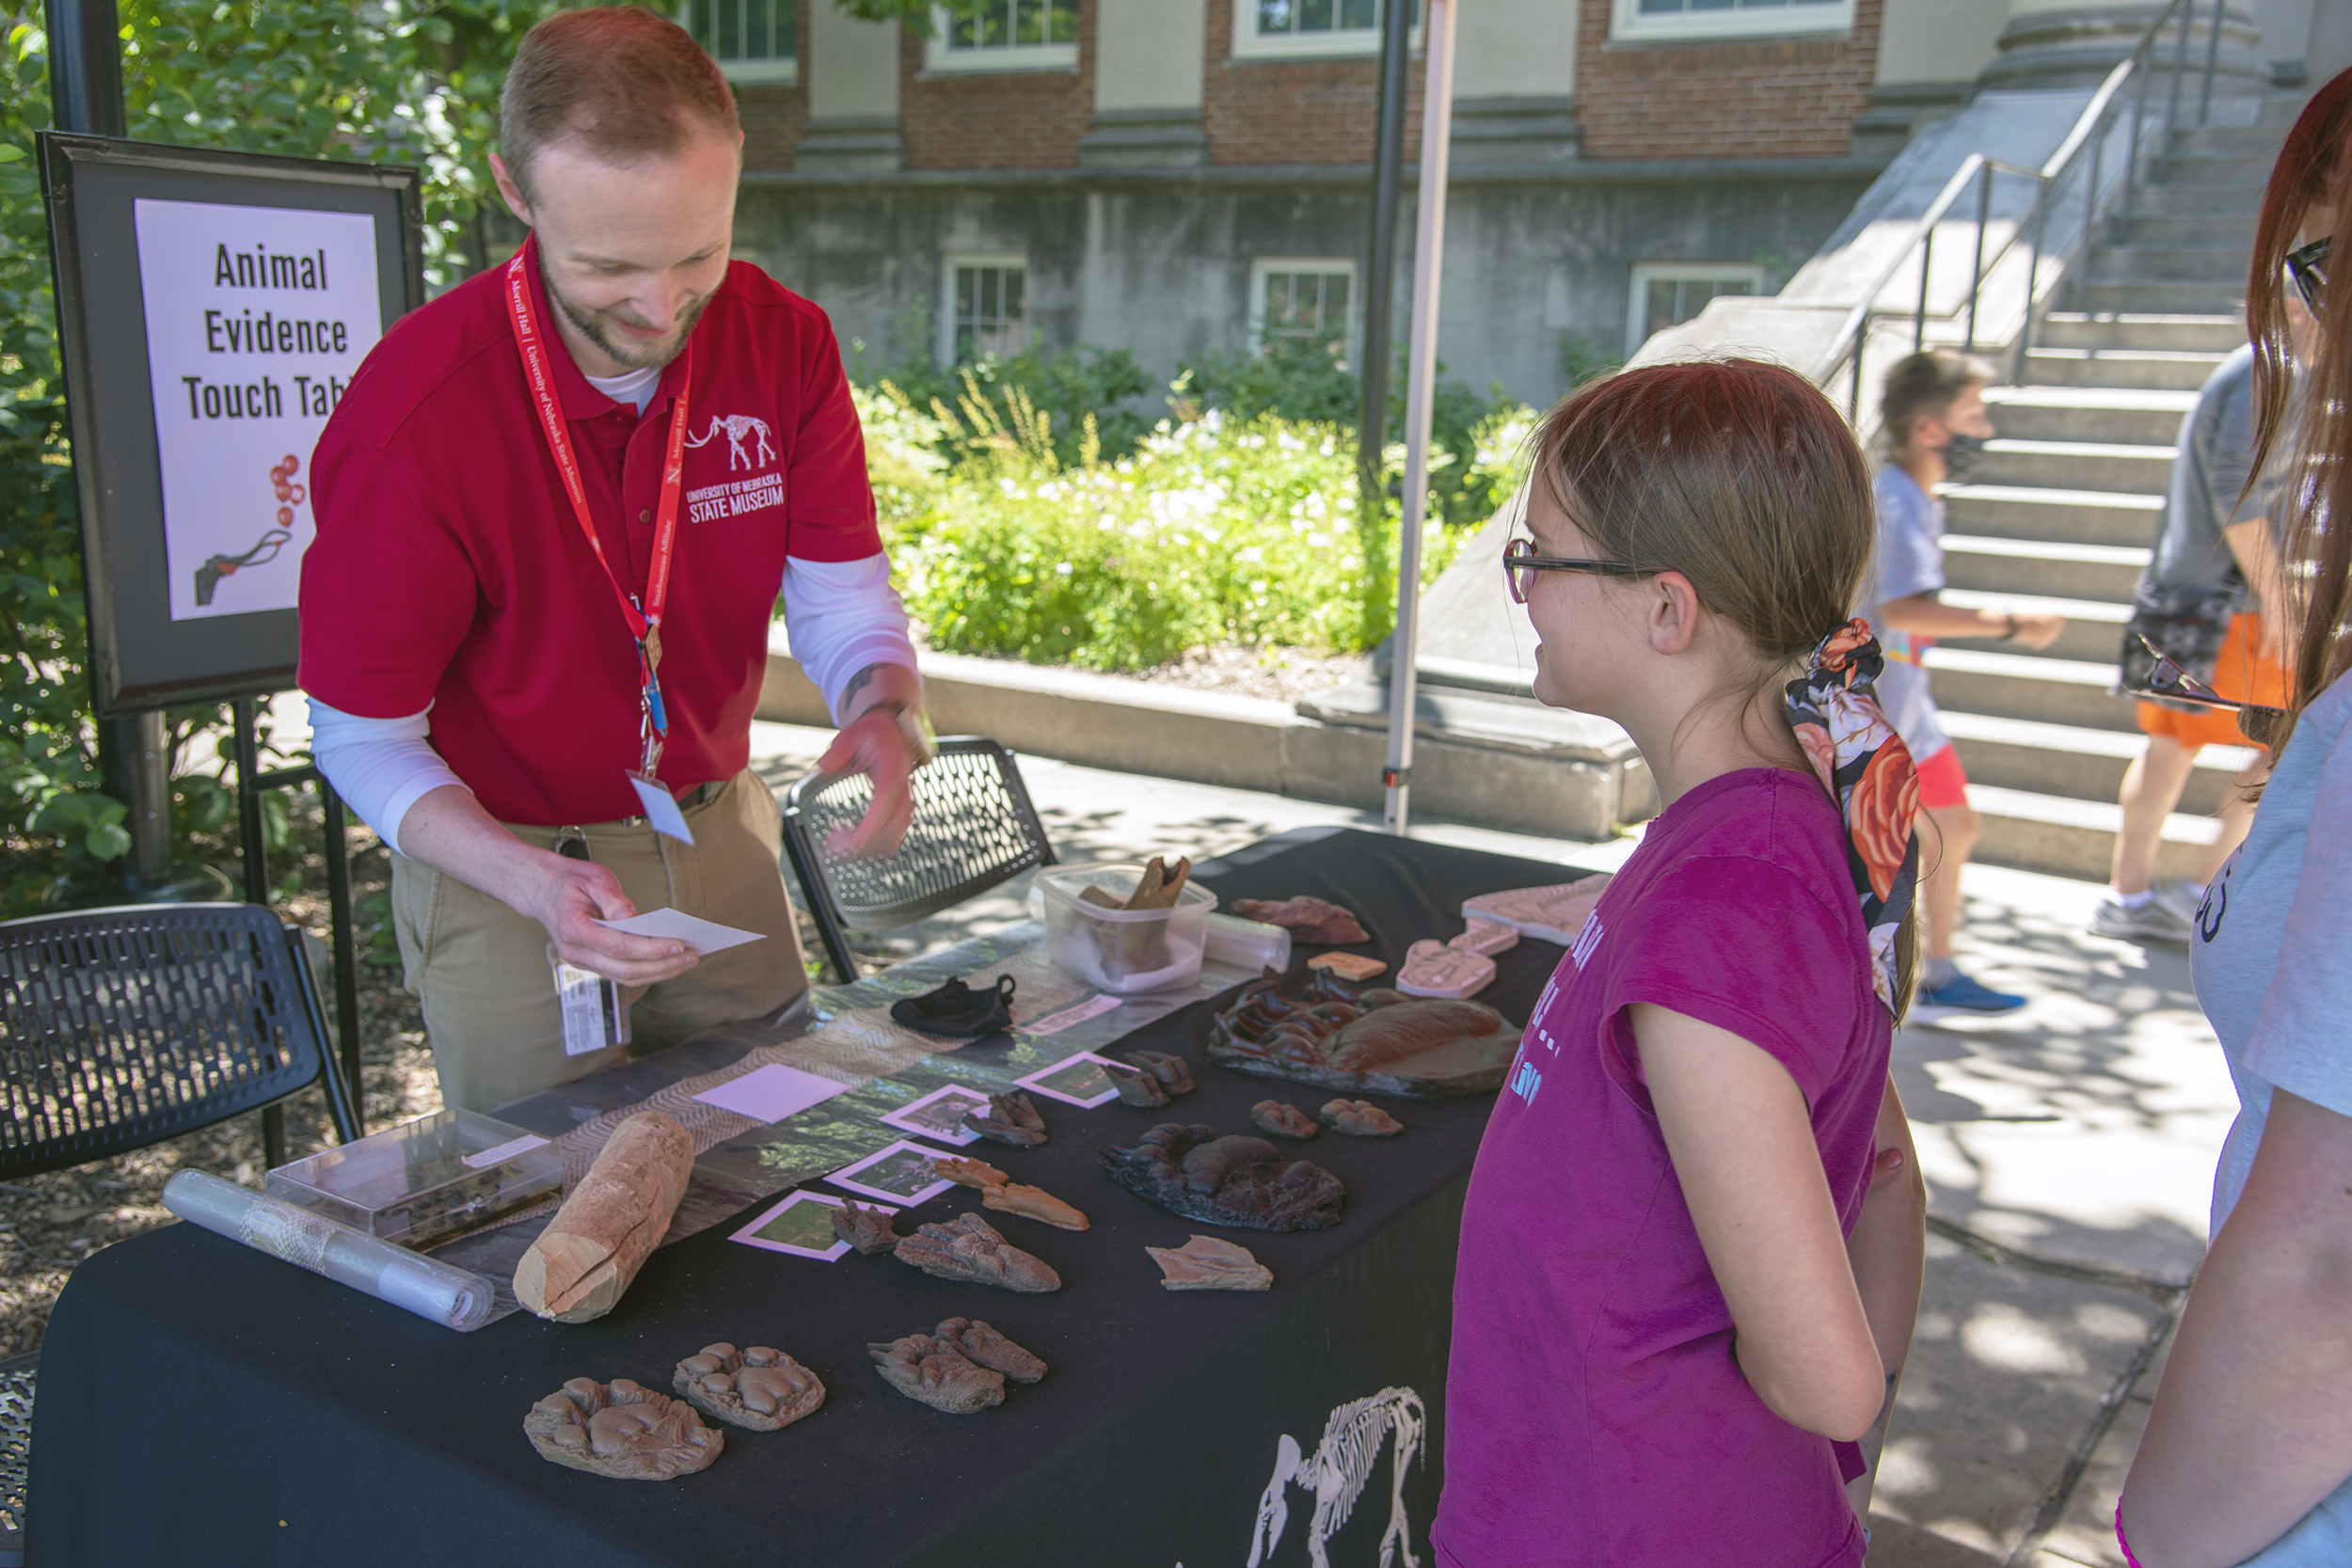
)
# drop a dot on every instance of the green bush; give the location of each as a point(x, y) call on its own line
point(1211, 530)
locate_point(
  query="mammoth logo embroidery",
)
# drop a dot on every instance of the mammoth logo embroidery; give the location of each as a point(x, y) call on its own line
point(737, 426)
point(1337, 1473)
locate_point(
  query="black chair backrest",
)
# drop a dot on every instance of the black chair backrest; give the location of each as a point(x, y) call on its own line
point(974, 828)
point(123, 1027)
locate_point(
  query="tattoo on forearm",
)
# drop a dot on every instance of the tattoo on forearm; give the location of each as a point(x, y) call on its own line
point(859, 682)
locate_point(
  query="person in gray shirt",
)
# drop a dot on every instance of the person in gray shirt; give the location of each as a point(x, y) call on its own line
point(2214, 572)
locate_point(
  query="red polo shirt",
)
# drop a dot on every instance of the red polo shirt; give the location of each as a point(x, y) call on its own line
point(449, 566)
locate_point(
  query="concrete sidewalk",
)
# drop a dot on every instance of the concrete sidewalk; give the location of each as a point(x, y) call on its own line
point(2069, 1152)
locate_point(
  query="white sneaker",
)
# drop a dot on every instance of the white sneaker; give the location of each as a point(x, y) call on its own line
point(2182, 896)
point(2154, 921)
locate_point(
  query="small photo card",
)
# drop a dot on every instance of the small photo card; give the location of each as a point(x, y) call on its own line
point(940, 1114)
point(802, 1225)
point(771, 1093)
point(1075, 1080)
point(903, 1173)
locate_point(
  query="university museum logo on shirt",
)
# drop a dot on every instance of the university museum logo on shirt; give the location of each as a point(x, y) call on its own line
point(747, 447)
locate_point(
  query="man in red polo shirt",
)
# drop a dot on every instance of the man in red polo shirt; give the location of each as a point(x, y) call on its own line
point(555, 508)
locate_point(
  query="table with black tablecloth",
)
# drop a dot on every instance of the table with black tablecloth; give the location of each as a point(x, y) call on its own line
point(200, 1402)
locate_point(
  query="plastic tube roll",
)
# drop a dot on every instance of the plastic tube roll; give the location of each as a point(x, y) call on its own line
point(455, 1298)
point(1249, 944)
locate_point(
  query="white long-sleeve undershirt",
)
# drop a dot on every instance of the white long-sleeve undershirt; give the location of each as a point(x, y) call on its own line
point(842, 616)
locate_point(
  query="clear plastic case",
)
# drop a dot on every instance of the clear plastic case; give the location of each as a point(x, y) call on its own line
point(425, 1180)
point(1123, 951)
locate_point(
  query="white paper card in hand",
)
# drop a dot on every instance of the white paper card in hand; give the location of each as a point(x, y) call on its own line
point(771, 1093)
point(702, 936)
point(661, 809)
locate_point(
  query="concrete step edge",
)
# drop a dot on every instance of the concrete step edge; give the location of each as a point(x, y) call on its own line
point(2074, 739)
point(2130, 451)
point(2023, 667)
point(2111, 612)
point(1992, 800)
point(2047, 549)
point(2128, 400)
point(2040, 495)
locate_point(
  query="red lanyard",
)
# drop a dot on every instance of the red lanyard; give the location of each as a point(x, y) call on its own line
point(644, 620)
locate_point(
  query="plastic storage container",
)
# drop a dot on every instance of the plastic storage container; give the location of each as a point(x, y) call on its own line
point(1123, 951)
point(425, 1180)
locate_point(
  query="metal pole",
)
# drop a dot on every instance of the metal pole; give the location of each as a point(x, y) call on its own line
point(1976, 264)
point(2172, 104)
point(2213, 54)
point(2033, 277)
point(1421, 388)
point(86, 67)
point(2091, 199)
point(2131, 157)
point(1372, 420)
point(86, 95)
point(1920, 318)
point(346, 954)
point(242, 716)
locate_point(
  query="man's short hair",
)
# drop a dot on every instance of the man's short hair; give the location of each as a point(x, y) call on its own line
point(622, 81)
point(1922, 386)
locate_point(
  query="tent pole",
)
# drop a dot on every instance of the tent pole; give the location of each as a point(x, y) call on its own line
point(1421, 385)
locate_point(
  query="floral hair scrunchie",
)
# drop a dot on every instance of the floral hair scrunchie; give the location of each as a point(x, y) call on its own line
point(1869, 771)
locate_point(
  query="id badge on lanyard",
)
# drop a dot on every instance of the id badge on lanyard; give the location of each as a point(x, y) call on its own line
point(642, 617)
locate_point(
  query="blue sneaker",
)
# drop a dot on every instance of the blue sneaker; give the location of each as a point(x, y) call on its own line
point(1961, 997)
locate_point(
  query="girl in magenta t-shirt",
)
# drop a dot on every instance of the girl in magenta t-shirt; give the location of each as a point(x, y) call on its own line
point(1692, 1250)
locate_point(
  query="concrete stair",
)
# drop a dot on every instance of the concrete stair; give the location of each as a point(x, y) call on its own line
point(2061, 514)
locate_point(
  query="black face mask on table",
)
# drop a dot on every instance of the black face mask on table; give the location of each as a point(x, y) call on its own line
point(1960, 456)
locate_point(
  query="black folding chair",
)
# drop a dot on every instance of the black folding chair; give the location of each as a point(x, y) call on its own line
point(974, 828)
point(16, 1453)
point(123, 1027)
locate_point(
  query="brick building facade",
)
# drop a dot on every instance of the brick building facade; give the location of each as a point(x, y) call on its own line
point(1160, 175)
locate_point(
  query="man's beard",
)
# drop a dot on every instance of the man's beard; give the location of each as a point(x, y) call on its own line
point(637, 356)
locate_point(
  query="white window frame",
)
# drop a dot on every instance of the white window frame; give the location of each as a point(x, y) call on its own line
point(770, 71)
point(946, 346)
point(1353, 44)
point(1646, 273)
point(1629, 23)
point(1262, 267)
point(995, 60)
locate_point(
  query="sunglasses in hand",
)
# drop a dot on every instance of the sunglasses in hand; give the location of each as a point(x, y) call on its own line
point(2168, 681)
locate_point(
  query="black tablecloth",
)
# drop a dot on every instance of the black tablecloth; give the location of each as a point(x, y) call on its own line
point(202, 1403)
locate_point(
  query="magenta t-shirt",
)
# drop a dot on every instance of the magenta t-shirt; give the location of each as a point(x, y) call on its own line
point(1594, 1412)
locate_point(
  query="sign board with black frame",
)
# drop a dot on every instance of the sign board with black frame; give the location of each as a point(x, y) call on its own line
point(211, 308)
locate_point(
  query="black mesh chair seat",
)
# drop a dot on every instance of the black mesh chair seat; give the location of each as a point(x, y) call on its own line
point(123, 1027)
point(974, 828)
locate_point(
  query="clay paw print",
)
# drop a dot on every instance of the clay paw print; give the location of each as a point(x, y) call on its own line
point(1435, 969)
point(1360, 1118)
point(969, 1173)
point(934, 1371)
point(1488, 937)
point(984, 1347)
point(623, 1431)
point(1208, 1264)
point(1011, 1118)
point(969, 1249)
point(868, 1231)
point(1135, 1087)
point(759, 1389)
point(1282, 1121)
point(1554, 913)
point(1174, 1073)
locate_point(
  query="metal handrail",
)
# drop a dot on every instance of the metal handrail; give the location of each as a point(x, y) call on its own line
point(2089, 133)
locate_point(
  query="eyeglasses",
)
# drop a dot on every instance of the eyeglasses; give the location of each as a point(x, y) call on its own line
point(2308, 266)
point(1520, 564)
point(2169, 681)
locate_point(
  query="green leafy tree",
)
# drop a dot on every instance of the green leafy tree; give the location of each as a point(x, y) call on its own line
point(387, 81)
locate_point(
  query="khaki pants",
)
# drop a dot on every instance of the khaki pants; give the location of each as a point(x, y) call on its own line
point(480, 970)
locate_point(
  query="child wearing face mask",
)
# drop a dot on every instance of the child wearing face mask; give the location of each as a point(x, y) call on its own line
point(1934, 422)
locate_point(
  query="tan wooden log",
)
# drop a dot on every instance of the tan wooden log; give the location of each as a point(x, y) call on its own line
point(610, 1223)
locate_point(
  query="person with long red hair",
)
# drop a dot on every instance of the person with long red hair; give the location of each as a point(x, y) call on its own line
point(2248, 1458)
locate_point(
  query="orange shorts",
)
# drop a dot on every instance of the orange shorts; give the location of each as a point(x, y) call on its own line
point(1942, 780)
point(2240, 672)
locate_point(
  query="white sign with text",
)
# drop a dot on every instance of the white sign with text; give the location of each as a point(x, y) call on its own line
point(256, 318)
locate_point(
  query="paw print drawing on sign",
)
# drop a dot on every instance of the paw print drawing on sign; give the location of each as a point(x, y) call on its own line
point(290, 495)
